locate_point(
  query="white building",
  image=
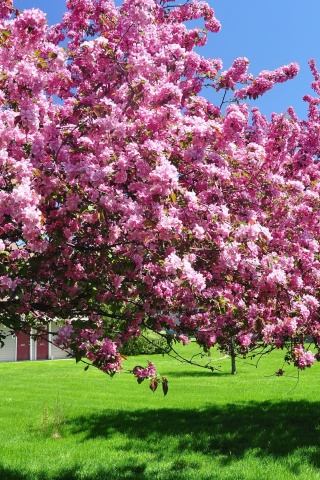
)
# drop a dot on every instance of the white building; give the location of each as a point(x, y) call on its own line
point(22, 347)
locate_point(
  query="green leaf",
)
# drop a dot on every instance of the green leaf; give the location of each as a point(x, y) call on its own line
point(78, 356)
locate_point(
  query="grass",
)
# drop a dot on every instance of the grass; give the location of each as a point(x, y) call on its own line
point(59, 422)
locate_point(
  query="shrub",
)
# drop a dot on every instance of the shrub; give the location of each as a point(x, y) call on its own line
point(146, 344)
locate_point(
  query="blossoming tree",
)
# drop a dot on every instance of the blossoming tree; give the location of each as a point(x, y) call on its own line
point(129, 201)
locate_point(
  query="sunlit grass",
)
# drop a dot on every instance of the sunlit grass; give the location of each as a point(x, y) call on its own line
point(59, 422)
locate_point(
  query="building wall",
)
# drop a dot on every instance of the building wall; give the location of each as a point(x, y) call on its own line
point(55, 353)
point(8, 353)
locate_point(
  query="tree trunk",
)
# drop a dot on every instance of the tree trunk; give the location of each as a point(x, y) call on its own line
point(233, 358)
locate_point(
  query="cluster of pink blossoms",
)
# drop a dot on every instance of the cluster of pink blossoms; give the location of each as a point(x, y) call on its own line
point(63, 337)
point(147, 372)
point(302, 359)
point(267, 79)
point(133, 202)
point(237, 73)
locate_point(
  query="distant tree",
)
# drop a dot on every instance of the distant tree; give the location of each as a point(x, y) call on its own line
point(129, 201)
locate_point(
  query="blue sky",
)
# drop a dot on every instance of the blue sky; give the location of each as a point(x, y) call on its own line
point(269, 34)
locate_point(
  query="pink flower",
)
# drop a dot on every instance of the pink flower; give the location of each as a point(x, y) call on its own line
point(245, 340)
point(277, 276)
point(172, 263)
point(142, 373)
point(206, 337)
point(185, 340)
point(108, 347)
point(63, 338)
point(302, 359)
point(236, 73)
point(6, 283)
point(199, 232)
point(267, 79)
point(196, 279)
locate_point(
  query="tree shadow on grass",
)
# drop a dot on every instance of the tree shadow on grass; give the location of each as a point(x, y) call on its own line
point(222, 434)
point(127, 472)
point(231, 431)
point(13, 474)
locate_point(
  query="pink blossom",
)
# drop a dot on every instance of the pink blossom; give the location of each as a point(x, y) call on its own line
point(199, 232)
point(185, 340)
point(277, 276)
point(267, 79)
point(172, 263)
point(7, 283)
point(142, 373)
point(197, 280)
point(108, 347)
point(301, 358)
point(206, 337)
point(236, 73)
point(245, 340)
point(63, 337)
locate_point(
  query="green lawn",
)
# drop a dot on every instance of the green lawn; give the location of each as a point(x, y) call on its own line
point(59, 422)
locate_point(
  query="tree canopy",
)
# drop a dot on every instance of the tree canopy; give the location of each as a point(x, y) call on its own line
point(129, 201)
